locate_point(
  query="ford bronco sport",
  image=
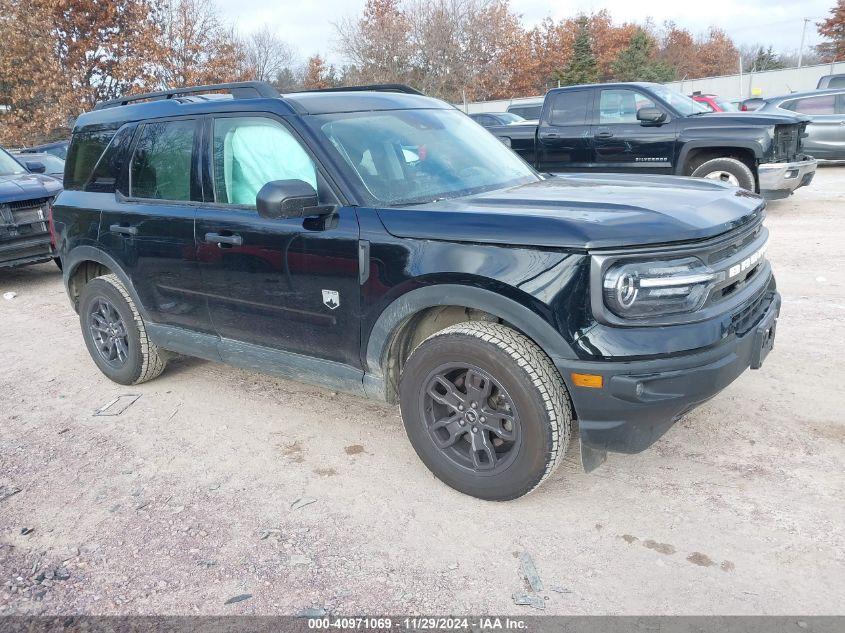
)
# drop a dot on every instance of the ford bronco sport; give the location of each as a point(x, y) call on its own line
point(380, 242)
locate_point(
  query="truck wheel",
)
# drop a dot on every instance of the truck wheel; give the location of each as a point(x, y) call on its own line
point(115, 334)
point(485, 409)
point(728, 170)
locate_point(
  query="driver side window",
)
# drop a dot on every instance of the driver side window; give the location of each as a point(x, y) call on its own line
point(621, 106)
point(249, 152)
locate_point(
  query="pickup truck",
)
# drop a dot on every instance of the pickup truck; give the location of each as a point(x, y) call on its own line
point(378, 241)
point(646, 128)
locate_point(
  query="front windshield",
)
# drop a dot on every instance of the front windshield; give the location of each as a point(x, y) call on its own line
point(416, 156)
point(9, 166)
point(682, 103)
point(510, 117)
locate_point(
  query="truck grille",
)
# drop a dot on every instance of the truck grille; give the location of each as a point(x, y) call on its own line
point(24, 232)
point(788, 141)
point(747, 318)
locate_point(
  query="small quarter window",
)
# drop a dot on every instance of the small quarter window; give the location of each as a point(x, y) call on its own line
point(161, 164)
point(85, 150)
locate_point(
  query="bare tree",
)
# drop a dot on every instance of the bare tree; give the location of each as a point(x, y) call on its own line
point(267, 57)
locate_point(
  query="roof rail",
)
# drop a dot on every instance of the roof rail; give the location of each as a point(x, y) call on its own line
point(238, 90)
point(371, 87)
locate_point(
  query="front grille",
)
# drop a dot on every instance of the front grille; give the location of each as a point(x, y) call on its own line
point(24, 231)
point(787, 142)
point(746, 318)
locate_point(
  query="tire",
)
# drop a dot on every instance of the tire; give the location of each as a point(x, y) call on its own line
point(514, 383)
point(729, 170)
point(140, 360)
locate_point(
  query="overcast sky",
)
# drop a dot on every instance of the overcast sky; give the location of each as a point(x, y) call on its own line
point(307, 25)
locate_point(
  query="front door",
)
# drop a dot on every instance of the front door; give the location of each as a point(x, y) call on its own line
point(563, 136)
point(291, 284)
point(622, 143)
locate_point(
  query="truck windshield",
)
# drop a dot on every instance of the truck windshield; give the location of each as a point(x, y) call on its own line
point(9, 166)
point(682, 103)
point(417, 156)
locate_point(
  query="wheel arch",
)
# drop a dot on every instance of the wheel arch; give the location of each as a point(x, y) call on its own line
point(419, 313)
point(693, 152)
point(81, 262)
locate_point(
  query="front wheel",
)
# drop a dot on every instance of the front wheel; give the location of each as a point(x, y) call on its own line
point(485, 409)
point(728, 170)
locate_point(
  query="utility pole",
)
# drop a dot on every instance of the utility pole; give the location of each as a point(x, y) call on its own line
point(803, 34)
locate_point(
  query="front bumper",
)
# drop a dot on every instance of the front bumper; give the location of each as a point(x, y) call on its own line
point(641, 400)
point(779, 180)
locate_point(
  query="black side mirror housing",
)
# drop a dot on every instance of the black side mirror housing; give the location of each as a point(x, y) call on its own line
point(282, 199)
point(651, 116)
point(34, 167)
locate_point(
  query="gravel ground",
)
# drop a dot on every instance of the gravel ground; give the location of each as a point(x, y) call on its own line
point(219, 483)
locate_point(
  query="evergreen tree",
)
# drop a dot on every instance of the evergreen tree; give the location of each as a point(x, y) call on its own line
point(765, 60)
point(638, 62)
point(582, 67)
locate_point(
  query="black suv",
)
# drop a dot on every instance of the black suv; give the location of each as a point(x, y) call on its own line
point(380, 242)
point(646, 128)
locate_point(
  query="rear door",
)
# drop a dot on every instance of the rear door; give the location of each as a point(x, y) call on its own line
point(621, 142)
point(284, 284)
point(826, 130)
point(147, 225)
point(563, 136)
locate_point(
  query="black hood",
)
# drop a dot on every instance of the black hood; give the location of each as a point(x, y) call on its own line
point(581, 211)
point(18, 187)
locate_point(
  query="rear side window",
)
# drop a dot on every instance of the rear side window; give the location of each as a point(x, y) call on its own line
point(824, 104)
point(163, 159)
point(836, 82)
point(85, 151)
point(570, 108)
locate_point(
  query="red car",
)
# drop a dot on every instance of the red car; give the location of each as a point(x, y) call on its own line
point(714, 103)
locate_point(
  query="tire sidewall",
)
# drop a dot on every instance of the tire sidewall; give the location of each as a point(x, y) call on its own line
point(743, 174)
point(131, 369)
point(532, 459)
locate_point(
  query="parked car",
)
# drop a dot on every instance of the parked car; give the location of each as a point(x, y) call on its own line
point(528, 110)
point(714, 103)
point(42, 164)
point(489, 119)
point(498, 306)
point(752, 104)
point(25, 200)
point(646, 128)
point(56, 148)
point(831, 81)
point(825, 110)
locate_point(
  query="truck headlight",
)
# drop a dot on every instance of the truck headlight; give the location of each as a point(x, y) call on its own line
point(649, 288)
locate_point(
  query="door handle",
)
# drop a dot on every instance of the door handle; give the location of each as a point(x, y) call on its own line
point(217, 238)
point(605, 134)
point(123, 230)
point(550, 135)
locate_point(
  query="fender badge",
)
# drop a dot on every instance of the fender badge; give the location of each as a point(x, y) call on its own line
point(331, 299)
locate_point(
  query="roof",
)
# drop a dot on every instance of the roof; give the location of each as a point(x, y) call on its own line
point(253, 97)
point(809, 93)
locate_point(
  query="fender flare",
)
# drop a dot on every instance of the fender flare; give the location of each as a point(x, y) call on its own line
point(72, 261)
point(397, 314)
point(688, 146)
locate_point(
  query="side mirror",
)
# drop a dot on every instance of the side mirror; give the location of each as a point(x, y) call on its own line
point(34, 167)
point(282, 199)
point(651, 116)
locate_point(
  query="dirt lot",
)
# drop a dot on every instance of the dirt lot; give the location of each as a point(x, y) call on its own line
point(187, 499)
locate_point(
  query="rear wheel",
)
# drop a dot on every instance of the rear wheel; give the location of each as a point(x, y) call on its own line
point(485, 409)
point(728, 170)
point(115, 333)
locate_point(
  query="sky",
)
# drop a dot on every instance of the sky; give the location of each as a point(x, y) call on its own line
point(308, 24)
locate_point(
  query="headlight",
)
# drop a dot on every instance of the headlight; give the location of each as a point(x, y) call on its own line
point(642, 289)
